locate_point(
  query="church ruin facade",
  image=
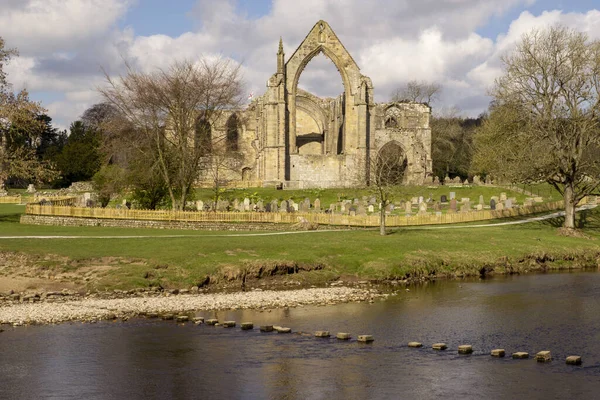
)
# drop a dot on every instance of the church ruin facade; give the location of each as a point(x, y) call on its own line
point(293, 138)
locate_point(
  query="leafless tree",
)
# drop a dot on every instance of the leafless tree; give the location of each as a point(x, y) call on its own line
point(418, 91)
point(544, 124)
point(165, 105)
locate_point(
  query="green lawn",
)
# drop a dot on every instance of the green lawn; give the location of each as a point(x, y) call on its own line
point(363, 254)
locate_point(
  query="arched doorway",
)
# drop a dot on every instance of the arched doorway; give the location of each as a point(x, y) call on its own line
point(233, 135)
point(390, 165)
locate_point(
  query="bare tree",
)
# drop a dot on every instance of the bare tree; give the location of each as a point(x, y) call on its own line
point(544, 123)
point(165, 105)
point(387, 169)
point(418, 91)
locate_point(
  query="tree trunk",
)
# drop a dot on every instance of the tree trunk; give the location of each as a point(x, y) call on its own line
point(569, 197)
point(382, 220)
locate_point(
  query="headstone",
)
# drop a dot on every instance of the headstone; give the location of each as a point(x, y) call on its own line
point(465, 207)
point(453, 205)
point(447, 180)
point(466, 182)
point(503, 196)
point(437, 206)
point(31, 188)
point(283, 206)
point(465, 199)
point(302, 207)
point(370, 208)
point(268, 208)
point(495, 198)
point(508, 204)
point(414, 200)
point(356, 201)
point(476, 180)
point(420, 199)
point(246, 204)
point(492, 204)
point(408, 208)
point(295, 206)
point(499, 206)
point(274, 206)
point(317, 205)
point(436, 181)
point(481, 199)
point(260, 206)
point(479, 207)
point(352, 213)
point(444, 199)
point(236, 205)
point(423, 208)
point(452, 195)
point(200, 205)
point(488, 180)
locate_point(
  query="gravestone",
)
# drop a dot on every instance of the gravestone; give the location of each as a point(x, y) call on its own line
point(274, 206)
point(294, 206)
point(476, 180)
point(246, 204)
point(495, 198)
point(466, 206)
point(444, 199)
point(492, 204)
point(414, 200)
point(499, 206)
point(452, 195)
point(200, 205)
point(423, 208)
point(481, 199)
point(283, 207)
point(437, 206)
point(465, 199)
point(302, 207)
point(260, 206)
point(408, 207)
point(268, 208)
point(503, 196)
point(356, 201)
point(370, 208)
point(421, 199)
point(447, 180)
point(317, 205)
point(466, 182)
point(236, 205)
point(453, 205)
point(479, 207)
point(31, 188)
point(436, 181)
point(508, 204)
point(488, 180)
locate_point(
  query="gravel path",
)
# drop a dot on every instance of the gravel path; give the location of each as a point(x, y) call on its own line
point(90, 309)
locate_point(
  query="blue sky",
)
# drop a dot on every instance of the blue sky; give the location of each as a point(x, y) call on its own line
point(455, 43)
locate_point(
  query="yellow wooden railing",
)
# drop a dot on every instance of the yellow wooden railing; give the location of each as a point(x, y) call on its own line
point(63, 210)
point(10, 199)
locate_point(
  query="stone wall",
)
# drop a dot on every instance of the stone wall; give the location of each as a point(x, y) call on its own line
point(196, 226)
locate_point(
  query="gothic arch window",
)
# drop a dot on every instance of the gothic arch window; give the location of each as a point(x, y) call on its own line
point(203, 136)
point(391, 164)
point(391, 122)
point(233, 134)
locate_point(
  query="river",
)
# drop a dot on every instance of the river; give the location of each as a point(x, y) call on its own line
point(153, 359)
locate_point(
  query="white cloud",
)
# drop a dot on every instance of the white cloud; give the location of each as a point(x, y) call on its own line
point(67, 42)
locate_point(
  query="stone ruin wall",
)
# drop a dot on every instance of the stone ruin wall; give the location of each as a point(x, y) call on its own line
point(291, 137)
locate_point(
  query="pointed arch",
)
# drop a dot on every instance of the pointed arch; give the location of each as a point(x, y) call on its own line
point(390, 164)
point(202, 136)
point(233, 133)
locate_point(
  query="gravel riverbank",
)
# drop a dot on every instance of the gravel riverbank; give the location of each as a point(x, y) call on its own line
point(56, 308)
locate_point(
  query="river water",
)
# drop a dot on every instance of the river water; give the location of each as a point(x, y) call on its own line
point(161, 360)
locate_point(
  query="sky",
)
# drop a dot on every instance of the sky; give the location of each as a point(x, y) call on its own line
point(66, 46)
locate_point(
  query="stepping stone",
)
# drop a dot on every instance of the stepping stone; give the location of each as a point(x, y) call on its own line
point(343, 336)
point(281, 329)
point(229, 324)
point(198, 320)
point(365, 338)
point(415, 344)
point(168, 316)
point(465, 349)
point(520, 355)
point(212, 321)
point(183, 318)
point(246, 326)
point(574, 360)
point(439, 346)
point(498, 353)
point(266, 328)
point(543, 356)
point(322, 334)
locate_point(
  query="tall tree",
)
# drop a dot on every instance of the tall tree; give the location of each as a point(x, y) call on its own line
point(80, 157)
point(545, 121)
point(20, 131)
point(164, 107)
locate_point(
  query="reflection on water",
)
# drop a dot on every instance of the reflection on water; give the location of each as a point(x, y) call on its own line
point(156, 359)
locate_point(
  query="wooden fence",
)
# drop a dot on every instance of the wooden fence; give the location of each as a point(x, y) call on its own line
point(10, 199)
point(64, 210)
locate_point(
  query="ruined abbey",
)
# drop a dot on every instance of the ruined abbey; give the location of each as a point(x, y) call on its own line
point(291, 138)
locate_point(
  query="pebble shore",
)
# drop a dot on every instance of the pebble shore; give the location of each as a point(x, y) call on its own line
point(56, 307)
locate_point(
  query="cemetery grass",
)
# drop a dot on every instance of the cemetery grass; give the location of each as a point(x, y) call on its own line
point(181, 262)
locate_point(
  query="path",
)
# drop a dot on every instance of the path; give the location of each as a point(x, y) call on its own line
point(522, 221)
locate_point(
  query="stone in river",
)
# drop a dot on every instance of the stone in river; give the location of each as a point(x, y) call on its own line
point(439, 346)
